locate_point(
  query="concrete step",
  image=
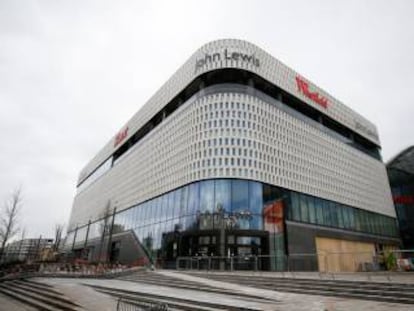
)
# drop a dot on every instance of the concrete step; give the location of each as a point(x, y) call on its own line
point(361, 296)
point(34, 303)
point(46, 292)
point(327, 289)
point(40, 297)
point(161, 280)
point(338, 285)
point(38, 285)
point(180, 303)
point(146, 303)
point(165, 281)
point(311, 281)
point(199, 287)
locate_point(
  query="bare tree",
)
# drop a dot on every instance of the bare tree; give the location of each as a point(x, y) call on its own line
point(23, 235)
point(58, 236)
point(9, 218)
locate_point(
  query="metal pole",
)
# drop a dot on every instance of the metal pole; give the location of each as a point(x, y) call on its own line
point(74, 238)
point(108, 254)
point(87, 234)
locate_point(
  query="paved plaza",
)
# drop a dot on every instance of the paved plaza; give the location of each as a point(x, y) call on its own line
point(82, 292)
point(91, 300)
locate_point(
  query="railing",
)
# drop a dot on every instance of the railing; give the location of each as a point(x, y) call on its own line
point(125, 305)
point(330, 262)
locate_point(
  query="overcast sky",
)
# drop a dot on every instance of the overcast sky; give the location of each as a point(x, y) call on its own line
point(73, 72)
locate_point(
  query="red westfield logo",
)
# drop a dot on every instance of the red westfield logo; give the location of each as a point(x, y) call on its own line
point(120, 136)
point(303, 87)
point(404, 199)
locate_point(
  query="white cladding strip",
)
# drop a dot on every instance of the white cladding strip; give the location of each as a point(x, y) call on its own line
point(231, 53)
point(271, 146)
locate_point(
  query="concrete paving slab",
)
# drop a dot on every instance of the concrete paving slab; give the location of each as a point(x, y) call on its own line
point(86, 297)
point(9, 304)
point(92, 300)
point(293, 301)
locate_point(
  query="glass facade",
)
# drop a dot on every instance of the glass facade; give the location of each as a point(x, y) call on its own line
point(190, 220)
point(309, 209)
point(402, 187)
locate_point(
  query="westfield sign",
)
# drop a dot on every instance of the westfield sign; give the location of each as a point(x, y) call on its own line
point(120, 136)
point(303, 87)
point(404, 199)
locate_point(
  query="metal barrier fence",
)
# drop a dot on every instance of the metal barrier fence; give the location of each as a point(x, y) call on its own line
point(322, 262)
point(124, 305)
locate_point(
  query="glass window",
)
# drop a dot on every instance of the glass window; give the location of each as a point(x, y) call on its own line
point(340, 215)
point(242, 220)
point(295, 206)
point(256, 222)
point(127, 219)
point(319, 211)
point(150, 212)
point(326, 214)
point(81, 234)
point(94, 228)
point(334, 214)
point(303, 208)
point(364, 224)
point(145, 212)
point(184, 201)
point(223, 194)
point(351, 213)
point(119, 221)
point(376, 218)
point(345, 217)
point(255, 197)
point(192, 222)
point(135, 220)
point(164, 207)
point(239, 195)
point(138, 220)
point(156, 205)
point(358, 220)
point(177, 203)
point(312, 211)
point(194, 199)
point(207, 196)
point(170, 208)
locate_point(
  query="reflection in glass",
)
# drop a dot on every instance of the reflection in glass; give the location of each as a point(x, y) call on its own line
point(239, 195)
point(207, 196)
point(255, 197)
point(194, 199)
point(223, 194)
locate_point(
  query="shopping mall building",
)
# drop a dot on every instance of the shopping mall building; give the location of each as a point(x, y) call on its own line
point(401, 174)
point(235, 155)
